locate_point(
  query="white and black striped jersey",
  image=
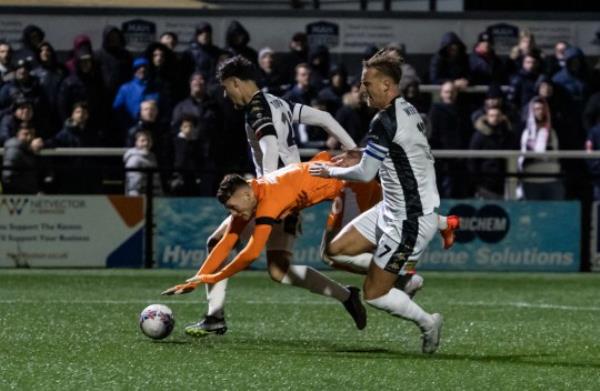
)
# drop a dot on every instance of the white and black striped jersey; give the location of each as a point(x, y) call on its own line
point(266, 115)
point(397, 139)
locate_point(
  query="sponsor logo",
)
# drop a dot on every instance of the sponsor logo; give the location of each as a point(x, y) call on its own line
point(323, 33)
point(139, 33)
point(15, 205)
point(489, 223)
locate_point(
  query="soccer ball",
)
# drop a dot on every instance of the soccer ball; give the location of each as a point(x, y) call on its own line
point(157, 321)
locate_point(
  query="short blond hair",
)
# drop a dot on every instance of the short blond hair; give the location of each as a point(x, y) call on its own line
point(387, 61)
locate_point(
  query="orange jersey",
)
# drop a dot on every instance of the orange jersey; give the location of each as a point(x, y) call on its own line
point(291, 189)
point(280, 193)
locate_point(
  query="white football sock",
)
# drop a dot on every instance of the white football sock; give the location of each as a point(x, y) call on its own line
point(442, 222)
point(399, 304)
point(359, 262)
point(308, 278)
point(215, 294)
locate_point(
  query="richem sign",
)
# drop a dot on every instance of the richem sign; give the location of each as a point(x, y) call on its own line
point(495, 236)
point(510, 236)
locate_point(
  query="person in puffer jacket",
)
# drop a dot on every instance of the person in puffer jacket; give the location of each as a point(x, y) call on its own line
point(140, 156)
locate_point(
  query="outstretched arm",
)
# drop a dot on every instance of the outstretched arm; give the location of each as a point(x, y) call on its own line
point(364, 171)
point(248, 255)
point(216, 257)
point(309, 116)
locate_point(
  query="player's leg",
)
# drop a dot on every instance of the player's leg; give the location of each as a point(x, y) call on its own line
point(213, 321)
point(357, 235)
point(352, 247)
point(281, 269)
point(390, 258)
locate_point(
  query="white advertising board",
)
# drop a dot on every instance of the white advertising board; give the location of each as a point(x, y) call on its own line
point(71, 231)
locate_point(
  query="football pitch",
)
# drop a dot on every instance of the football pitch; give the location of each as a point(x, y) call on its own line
point(78, 330)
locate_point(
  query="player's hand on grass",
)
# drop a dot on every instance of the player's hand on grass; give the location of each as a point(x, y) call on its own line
point(319, 169)
point(180, 289)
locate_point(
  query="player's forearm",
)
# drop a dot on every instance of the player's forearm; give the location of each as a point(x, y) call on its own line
point(218, 254)
point(248, 255)
point(364, 171)
point(270, 153)
point(324, 120)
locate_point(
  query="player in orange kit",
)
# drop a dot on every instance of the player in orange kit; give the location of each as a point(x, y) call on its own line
point(267, 201)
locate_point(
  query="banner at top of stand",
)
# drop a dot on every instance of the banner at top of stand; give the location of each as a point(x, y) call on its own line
point(340, 34)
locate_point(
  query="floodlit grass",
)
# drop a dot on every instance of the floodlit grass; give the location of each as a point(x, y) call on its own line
point(77, 329)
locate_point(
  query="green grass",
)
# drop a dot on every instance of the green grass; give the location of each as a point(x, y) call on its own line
point(64, 329)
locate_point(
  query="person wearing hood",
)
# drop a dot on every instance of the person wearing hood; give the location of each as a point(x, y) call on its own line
point(141, 157)
point(539, 136)
point(84, 85)
point(451, 62)
point(522, 84)
point(556, 61)
point(81, 42)
point(114, 60)
point(411, 92)
point(164, 75)
point(319, 62)
point(492, 132)
point(26, 86)
point(485, 67)
point(50, 74)
point(202, 55)
point(297, 54)
point(30, 40)
point(237, 39)
point(131, 94)
point(21, 114)
point(20, 153)
point(332, 95)
point(573, 78)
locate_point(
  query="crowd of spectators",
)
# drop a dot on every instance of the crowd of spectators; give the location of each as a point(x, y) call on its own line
point(166, 106)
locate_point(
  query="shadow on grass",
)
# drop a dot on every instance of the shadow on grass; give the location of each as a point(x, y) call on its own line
point(321, 348)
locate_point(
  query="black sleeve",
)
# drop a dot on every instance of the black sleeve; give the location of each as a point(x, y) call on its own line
point(259, 117)
point(382, 130)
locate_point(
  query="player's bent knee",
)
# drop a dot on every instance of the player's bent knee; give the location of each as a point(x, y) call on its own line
point(278, 263)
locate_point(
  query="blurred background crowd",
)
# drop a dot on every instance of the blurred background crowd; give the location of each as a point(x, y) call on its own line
point(166, 106)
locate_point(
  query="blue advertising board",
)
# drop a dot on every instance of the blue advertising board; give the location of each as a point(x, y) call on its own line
point(184, 224)
point(495, 235)
point(510, 236)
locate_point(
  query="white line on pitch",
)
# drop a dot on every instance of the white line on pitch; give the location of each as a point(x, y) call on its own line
point(298, 302)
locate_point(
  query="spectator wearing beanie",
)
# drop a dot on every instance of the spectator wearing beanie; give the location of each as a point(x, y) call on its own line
point(202, 55)
point(270, 79)
point(131, 94)
point(485, 66)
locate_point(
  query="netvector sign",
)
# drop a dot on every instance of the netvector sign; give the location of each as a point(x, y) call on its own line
point(510, 236)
